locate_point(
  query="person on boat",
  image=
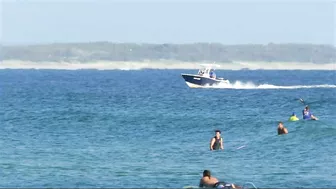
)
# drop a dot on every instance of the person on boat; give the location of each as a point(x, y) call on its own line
point(307, 115)
point(216, 142)
point(282, 129)
point(209, 181)
point(293, 117)
point(212, 74)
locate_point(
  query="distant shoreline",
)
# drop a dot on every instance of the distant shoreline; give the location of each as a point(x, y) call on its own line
point(195, 52)
point(111, 65)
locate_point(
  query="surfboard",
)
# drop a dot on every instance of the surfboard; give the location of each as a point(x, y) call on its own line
point(190, 187)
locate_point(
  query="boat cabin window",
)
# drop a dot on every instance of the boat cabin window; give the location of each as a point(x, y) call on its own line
point(206, 71)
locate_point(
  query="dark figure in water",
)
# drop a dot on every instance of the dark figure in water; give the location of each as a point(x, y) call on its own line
point(216, 142)
point(282, 129)
point(208, 181)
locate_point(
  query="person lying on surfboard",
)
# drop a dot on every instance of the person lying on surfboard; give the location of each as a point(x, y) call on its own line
point(209, 181)
point(307, 115)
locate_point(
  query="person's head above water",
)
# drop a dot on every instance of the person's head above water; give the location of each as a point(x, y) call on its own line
point(206, 173)
point(307, 108)
point(293, 117)
point(218, 133)
point(280, 125)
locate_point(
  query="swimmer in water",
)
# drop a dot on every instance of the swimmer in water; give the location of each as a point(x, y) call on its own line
point(293, 117)
point(282, 129)
point(216, 142)
point(307, 115)
point(209, 181)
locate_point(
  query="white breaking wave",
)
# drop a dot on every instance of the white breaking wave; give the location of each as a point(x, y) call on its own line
point(250, 85)
point(105, 65)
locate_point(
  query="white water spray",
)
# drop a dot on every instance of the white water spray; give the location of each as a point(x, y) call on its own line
point(251, 85)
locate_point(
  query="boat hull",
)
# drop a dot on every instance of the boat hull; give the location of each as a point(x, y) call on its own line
point(197, 81)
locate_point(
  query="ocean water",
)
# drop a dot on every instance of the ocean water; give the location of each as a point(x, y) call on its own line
point(146, 128)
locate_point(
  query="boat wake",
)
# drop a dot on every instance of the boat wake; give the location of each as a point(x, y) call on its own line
point(251, 85)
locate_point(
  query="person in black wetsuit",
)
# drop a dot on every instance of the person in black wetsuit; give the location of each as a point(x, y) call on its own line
point(216, 142)
point(282, 129)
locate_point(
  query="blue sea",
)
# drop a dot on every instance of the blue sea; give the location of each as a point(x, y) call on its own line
point(146, 128)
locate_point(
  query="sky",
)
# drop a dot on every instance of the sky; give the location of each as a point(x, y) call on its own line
point(164, 21)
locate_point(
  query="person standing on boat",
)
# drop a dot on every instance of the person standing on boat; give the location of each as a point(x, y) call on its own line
point(212, 74)
point(216, 142)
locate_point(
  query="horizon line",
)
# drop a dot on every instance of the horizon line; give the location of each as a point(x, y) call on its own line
point(164, 43)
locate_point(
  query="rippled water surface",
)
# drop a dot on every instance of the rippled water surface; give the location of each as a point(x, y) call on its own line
point(148, 129)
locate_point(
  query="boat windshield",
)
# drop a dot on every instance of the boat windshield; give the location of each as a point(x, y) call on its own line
point(209, 72)
point(201, 71)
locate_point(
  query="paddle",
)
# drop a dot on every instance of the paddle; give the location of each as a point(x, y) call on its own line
point(302, 101)
point(310, 103)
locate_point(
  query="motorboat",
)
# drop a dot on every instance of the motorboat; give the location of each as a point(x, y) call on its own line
point(204, 78)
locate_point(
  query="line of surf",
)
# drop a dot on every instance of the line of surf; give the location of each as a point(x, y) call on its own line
point(108, 65)
point(250, 85)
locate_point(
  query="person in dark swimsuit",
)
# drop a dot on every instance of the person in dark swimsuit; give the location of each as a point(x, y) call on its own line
point(216, 142)
point(282, 129)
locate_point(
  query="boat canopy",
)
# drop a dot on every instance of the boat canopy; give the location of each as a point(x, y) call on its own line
point(207, 72)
